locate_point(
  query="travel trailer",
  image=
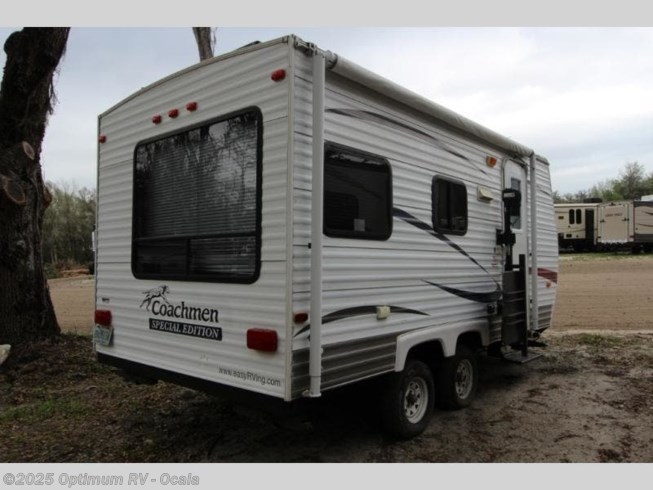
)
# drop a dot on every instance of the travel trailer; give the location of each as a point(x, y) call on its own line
point(605, 226)
point(280, 220)
point(577, 225)
point(643, 223)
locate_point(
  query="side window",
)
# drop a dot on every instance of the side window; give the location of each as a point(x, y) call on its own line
point(579, 217)
point(357, 194)
point(515, 219)
point(449, 206)
point(572, 217)
point(197, 203)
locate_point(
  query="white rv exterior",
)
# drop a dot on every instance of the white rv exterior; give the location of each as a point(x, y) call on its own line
point(605, 226)
point(280, 220)
point(643, 223)
point(615, 223)
point(578, 225)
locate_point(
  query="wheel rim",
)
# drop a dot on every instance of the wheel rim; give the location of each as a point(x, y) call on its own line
point(464, 379)
point(415, 400)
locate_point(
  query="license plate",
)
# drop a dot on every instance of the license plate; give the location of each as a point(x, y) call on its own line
point(102, 335)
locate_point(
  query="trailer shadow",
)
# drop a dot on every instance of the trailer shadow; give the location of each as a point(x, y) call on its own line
point(341, 426)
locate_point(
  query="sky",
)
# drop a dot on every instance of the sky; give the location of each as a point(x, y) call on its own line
point(580, 96)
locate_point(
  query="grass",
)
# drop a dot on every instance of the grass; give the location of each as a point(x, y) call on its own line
point(601, 341)
point(44, 410)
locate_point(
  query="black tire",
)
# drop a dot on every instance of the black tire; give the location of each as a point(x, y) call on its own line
point(408, 400)
point(458, 379)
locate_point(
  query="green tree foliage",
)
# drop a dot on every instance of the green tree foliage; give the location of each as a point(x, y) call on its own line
point(632, 183)
point(68, 225)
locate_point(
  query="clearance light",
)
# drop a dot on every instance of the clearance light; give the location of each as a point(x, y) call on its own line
point(491, 161)
point(278, 75)
point(157, 119)
point(191, 106)
point(102, 139)
point(300, 317)
point(262, 339)
point(103, 317)
point(173, 113)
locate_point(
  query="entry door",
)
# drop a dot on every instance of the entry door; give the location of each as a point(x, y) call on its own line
point(514, 177)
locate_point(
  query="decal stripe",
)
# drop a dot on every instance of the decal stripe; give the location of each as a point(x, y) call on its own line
point(358, 311)
point(470, 295)
point(548, 275)
point(412, 220)
point(386, 121)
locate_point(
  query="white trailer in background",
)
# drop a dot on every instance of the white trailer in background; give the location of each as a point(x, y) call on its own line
point(643, 223)
point(578, 225)
point(605, 226)
point(615, 224)
point(280, 220)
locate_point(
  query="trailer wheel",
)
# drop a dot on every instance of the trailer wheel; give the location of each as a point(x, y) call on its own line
point(408, 400)
point(458, 379)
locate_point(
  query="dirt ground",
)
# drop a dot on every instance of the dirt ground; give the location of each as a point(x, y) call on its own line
point(589, 399)
point(604, 292)
point(74, 303)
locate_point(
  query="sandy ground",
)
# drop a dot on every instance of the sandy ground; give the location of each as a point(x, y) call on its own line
point(74, 303)
point(589, 399)
point(605, 293)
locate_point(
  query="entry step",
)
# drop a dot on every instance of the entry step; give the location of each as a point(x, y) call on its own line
point(517, 357)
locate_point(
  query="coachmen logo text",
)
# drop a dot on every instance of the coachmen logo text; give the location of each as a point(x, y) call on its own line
point(156, 302)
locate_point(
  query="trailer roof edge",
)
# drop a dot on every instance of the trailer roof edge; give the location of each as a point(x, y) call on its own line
point(248, 48)
point(350, 70)
point(357, 73)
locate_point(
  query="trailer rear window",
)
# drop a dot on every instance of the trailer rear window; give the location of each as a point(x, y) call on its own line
point(197, 200)
point(357, 194)
point(449, 206)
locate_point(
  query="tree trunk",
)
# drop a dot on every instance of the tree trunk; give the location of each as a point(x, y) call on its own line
point(26, 100)
point(205, 42)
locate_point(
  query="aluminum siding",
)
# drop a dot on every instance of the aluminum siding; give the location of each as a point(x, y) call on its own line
point(547, 245)
point(393, 272)
point(219, 88)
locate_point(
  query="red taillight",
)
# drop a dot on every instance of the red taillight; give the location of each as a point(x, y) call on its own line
point(191, 106)
point(262, 339)
point(278, 75)
point(301, 317)
point(157, 119)
point(103, 317)
point(102, 138)
point(173, 113)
